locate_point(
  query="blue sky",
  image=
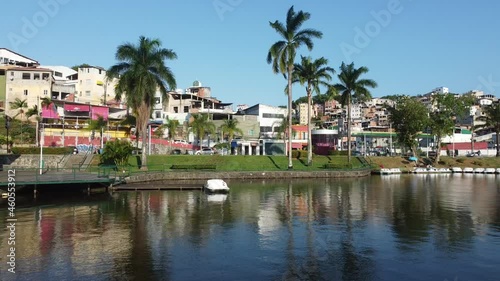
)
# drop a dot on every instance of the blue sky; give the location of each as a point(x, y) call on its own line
point(223, 43)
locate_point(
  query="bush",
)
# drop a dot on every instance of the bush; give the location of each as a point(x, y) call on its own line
point(299, 153)
point(338, 153)
point(460, 160)
point(116, 152)
point(46, 150)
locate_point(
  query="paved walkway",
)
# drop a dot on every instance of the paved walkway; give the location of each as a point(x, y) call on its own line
point(28, 177)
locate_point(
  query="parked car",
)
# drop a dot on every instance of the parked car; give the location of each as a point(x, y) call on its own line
point(205, 151)
point(176, 152)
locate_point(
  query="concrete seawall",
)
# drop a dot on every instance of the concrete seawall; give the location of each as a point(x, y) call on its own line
point(202, 175)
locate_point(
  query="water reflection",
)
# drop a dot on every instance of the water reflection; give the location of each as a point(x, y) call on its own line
point(378, 228)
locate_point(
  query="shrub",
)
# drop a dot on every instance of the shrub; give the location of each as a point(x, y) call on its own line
point(116, 152)
point(338, 152)
point(46, 150)
point(460, 160)
point(299, 153)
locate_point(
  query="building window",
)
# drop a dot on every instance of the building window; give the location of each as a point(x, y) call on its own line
point(157, 100)
point(58, 74)
point(26, 76)
point(45, 76)
point(250, 132)
point(186, 109)
point(176, 109)
point(12, 73)
point(158, 114)
point(45, 92)
point(36, 76)
point(266, 129)
point(80, 93)
point(100, 71)
point(25, 92)
point(87, 93)
point(80, 81)
point(272, 115)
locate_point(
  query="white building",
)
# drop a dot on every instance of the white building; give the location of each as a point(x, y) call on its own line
point(269, 118)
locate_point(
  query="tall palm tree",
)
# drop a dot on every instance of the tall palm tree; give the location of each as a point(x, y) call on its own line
point(142, 71)
point(352, 89)
point(201, 126)
point(230, 128)
point(282, 54)
point(491, 120)
point(314, 74)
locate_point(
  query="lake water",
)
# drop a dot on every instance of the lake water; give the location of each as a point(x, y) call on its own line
point(408, 227)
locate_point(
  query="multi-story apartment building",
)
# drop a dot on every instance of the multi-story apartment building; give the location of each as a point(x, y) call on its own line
point(25, 83)
point(93, 87)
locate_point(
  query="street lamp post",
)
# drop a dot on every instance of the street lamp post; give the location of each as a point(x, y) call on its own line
point(7, 127)
point(41, 148)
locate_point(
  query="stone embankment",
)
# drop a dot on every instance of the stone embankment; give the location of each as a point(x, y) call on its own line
point(202, 175)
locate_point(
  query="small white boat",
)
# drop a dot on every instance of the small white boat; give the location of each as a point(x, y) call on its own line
point(468, 170)
point(395, 171)
point(456, 170)
point(444, 170)
point(478, 170)
point(498, 170)
point(385, 171)
point(216, 186)
point(216, 198)
point(420, 170)
point(489, 170)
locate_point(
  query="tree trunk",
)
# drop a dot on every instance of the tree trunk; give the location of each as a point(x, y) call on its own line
point(143, 120)
point(349, 128)
point(498, 147)
point(309, 138)
point(438, 150)
point(290, 71)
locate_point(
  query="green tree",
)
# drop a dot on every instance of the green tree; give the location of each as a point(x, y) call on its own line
point(98, 125)
point(282, 54)
point(84, 65)
point(409, 117)
point(441, 118)
point(352, 89)
point(201, 126)
point(230, 128)
point(116, 152)
point(142, 71)
point(491, 119)
point(313, 74)
point(45, 102)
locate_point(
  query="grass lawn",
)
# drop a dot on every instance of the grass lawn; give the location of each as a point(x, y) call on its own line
point(237, 162)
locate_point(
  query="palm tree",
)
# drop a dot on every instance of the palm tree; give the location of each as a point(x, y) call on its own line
point(491, 120)
point(45, 102)
point(142, 71)
point(20, 105)
point(33, 111)
point(230, 127)
point(282, 54)
point(313, 73)
point(352, 89)
point(171, 126)
point(201, 126)
point(98, 125)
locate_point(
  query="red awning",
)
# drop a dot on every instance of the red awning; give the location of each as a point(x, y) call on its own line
point(77, 107)
point(100, 111)
point(50, 112)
